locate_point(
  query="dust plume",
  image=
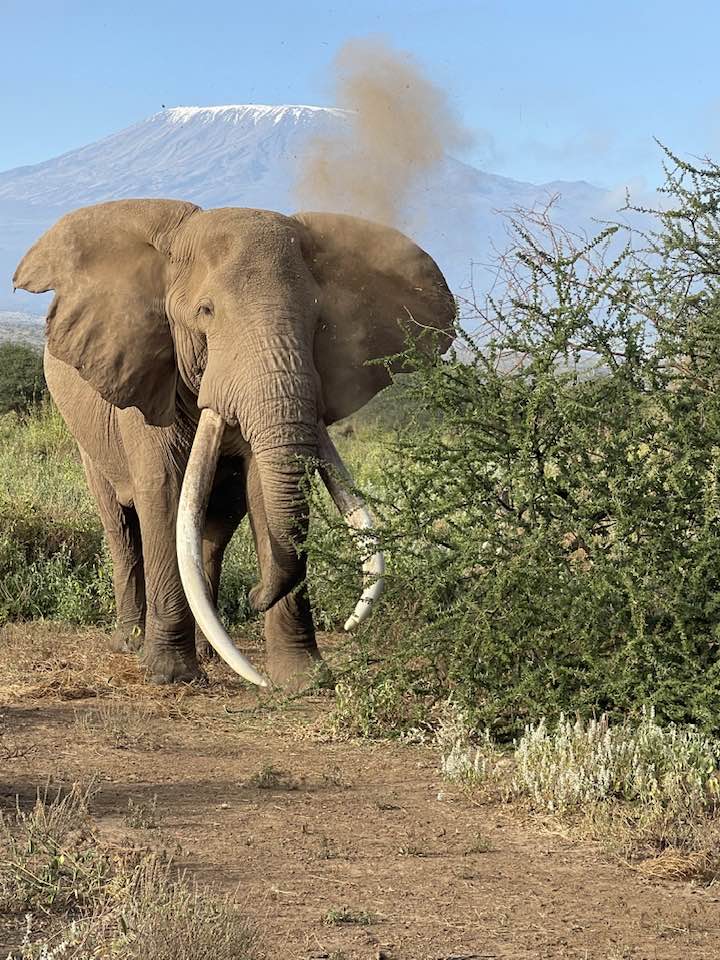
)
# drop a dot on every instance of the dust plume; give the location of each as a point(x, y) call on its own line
point(401, 125)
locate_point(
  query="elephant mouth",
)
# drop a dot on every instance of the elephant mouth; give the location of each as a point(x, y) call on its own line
point(196, 487)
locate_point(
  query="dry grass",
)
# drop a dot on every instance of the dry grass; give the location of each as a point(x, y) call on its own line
point(48, 661)
point(59, 662)
point(89, 898)
point(269, 777)
point(120, 724)
point(672, 864)
point(51, 860)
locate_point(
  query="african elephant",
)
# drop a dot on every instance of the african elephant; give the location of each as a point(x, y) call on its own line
point(198, 357)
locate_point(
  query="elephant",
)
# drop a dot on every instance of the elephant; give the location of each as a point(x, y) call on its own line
point(198, 357)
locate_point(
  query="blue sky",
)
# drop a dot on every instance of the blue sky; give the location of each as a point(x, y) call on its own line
point(552, 90)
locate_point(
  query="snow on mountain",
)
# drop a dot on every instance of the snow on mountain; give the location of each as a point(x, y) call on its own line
point(211, 155)
point(248, 155)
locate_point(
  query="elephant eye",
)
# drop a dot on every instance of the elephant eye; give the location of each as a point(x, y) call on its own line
point(204, 308)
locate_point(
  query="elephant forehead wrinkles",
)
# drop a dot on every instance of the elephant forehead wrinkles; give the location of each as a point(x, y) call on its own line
point(232, 245)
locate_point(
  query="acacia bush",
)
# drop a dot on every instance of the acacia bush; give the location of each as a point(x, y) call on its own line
point(553, 527)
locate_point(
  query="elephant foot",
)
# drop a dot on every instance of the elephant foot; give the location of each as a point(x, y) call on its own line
point(127, 638)
point(170, 665)
point(298, 671)
point(203, 650)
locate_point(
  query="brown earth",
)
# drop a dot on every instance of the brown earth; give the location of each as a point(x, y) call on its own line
point(348, 850)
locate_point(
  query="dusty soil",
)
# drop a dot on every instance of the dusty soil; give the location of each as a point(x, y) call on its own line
point(347, 850)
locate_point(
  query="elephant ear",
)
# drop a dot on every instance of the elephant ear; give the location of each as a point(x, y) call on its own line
point(378, 290)
point(108, 265)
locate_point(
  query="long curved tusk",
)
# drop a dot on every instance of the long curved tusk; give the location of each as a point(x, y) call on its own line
point(337, 479)
point(194, 496)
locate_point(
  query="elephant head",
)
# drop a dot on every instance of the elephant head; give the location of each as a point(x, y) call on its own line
point(263, 322)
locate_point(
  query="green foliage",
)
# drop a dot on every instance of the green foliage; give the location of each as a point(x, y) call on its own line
point(54, 562)
point(22, 382)
point(553, 523)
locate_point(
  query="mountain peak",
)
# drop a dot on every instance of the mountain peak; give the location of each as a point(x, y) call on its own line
point(251, 155)
point(248, 112)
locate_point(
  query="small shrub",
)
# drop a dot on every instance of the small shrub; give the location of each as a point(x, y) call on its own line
point(643, 790)
point(22, 381)
point(374, 709)
point(142, 814)
point(272, 778)
point(346, 915)
point(574, 764)
point(50, 858)
point(122, 725)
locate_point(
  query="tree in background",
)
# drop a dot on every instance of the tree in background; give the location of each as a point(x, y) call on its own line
point(22, 382)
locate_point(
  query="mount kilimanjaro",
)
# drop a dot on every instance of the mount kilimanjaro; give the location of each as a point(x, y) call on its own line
point(249, 155)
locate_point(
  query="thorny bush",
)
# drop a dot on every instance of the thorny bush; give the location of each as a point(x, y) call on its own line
point(553, 521)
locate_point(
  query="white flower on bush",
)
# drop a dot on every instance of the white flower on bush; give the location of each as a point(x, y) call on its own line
point(581, 763)
point(42, 950)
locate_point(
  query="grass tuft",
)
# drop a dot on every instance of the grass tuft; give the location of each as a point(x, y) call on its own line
point(122, 725)
point(90, 899)
point(337, 916)
point(269, 777)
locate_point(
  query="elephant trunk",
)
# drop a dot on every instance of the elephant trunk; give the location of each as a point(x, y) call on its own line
point(279, 512)
point(276, 409)
point(271, 392)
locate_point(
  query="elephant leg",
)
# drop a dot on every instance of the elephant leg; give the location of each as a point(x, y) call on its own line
point(293, 658)
point(169, 652)
point(122, 532)
point(226, 510)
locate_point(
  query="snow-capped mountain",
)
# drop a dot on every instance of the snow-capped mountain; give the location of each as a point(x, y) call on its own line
point(249, 155)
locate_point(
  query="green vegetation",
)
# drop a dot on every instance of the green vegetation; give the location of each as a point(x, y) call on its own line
point(22, 382)
point(554, 526)
point(548, 497)
point(53, 560)
point(343, 915)
point(52, 557)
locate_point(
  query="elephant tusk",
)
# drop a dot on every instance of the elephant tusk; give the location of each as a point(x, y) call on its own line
point(194, 497)
point(337, 479)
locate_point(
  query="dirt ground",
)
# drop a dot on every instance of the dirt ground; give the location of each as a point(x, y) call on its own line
point(347, 850)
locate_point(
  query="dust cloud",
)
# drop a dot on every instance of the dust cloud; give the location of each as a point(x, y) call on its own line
point(401, 126)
